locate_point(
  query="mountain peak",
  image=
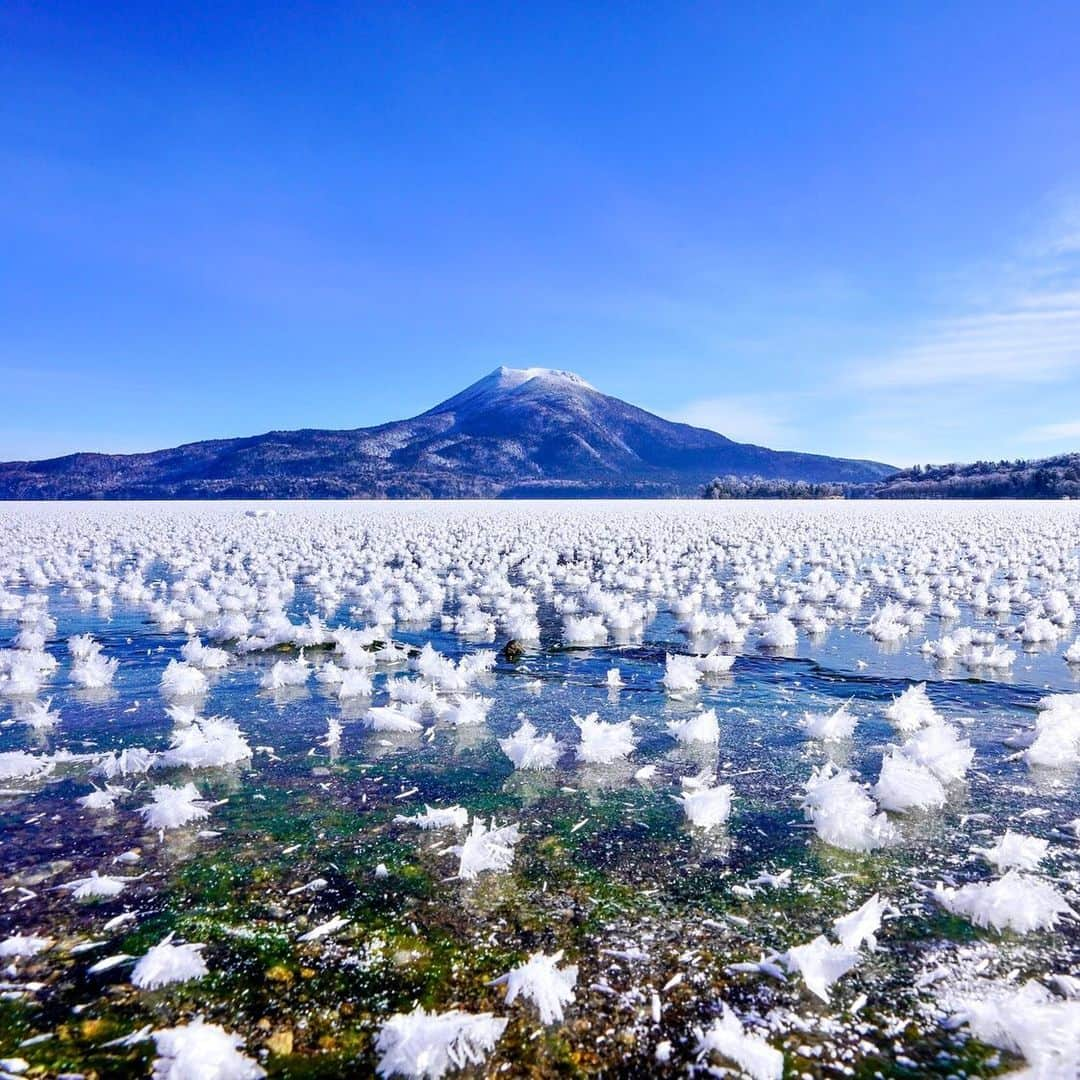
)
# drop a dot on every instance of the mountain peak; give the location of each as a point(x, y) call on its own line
point(509, 377)
point(517, 431)
point(495, 386)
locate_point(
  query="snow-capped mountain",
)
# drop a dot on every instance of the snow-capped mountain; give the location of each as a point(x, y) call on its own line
point(517, 432)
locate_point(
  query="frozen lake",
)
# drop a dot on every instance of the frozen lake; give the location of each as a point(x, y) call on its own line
point(679, 849)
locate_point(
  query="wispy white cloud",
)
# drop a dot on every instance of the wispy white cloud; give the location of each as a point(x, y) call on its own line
point(1036, 339)
point(755, 418)
point(1063, 236)
point(1000, 376)
point(1059, 432)
point(1021, 323)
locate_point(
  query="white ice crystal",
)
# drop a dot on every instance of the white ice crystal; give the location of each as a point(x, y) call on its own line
point(912, 709)
point(993, 658)
point(778, 632)
point(702, 727)
point(23, 945)
point(939, 748)
point(1056, 738)
point(442, 671)
point(81, 646)
point(728, 1038)
point(18, 765)
point(201, 1051)
point(92, 670)
point(426, 1046)
point(1031, 1022)
point(889, 624)
point(681, 673)
point(332, 675)
point(549, 987)
point(205, 744)
point(821, 963)
point(715, 663)
point(486, 848)
point(173, 807)
point(182, 680)
point(861, 925)
point(906, 785)
point(166, 963)
point(842, 813)
point(707, 806)
point(1015, 850)
point(102, 799)
point(1016, 902)
point(97, 885)
point(38, 715)
point(205, 657)
point(390, 719)
point(181, 714)
point(830, 727)
point(467, 709)
point(603, 743)
point(338, 922)
point(286, 673)
point(584, 630)
point(414, 692)
point(528, 750)
point(23, 674)
point(131, 761)
point(450, 817)
point(351, 683)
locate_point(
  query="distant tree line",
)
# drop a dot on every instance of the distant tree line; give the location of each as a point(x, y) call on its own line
point(760, 487)
point(1049, 478)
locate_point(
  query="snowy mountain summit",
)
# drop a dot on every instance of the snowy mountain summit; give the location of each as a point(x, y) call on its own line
point(517, 432)
point(495, 388)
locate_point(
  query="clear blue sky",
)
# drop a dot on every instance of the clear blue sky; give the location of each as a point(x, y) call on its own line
point(849, 228)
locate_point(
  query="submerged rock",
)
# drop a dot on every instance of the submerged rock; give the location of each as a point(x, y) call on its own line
point(513, 650)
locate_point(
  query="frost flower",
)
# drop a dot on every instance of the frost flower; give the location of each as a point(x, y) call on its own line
point(425, 1046)
point(166, 963)
point(540, 979)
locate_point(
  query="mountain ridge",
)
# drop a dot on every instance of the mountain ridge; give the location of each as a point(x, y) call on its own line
point(515, 432)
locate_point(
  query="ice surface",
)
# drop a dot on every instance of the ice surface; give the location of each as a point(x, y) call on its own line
point(295, 736)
